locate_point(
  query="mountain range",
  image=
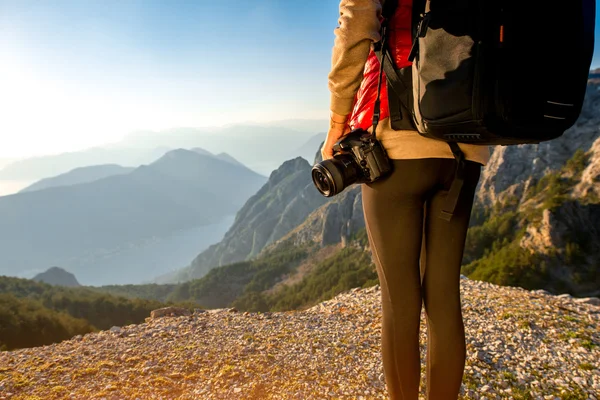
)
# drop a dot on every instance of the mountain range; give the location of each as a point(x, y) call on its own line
point(47, 166)
point(262, 147)
point(79, 175)
point(84, 227)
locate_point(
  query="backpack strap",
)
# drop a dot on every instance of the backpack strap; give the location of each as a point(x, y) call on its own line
point(389, 6)
point(457, 183)
point(403, 99)
point(398, 82)
point(400, 86)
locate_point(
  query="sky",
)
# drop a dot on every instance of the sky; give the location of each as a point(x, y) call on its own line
point(79, 73)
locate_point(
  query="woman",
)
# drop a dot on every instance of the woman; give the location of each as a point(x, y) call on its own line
point(417, 254)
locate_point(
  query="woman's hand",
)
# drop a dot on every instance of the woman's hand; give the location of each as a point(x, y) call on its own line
point(338, 127)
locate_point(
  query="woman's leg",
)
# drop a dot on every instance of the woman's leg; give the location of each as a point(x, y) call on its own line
point(443, 251)
point(393, 210)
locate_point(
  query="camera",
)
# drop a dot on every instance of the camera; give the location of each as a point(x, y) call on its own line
point(357, 158)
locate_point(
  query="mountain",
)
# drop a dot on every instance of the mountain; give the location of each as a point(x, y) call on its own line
point(309, 149)
point(87, 224)
point(261, 147)
point(221, 156)
point(228, 158)
point(333, 222)
point(51, 165)
point(233, 183)
point(287, 198)
point(79, 175)
point(58, 277)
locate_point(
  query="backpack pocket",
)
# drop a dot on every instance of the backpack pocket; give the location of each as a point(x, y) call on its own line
point(446, 85)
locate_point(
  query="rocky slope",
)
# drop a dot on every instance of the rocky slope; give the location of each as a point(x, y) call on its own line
point(520, 345)
point(333, 222)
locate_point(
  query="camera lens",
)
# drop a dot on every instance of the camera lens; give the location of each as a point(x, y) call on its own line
point(333, 175)
point(321, 181)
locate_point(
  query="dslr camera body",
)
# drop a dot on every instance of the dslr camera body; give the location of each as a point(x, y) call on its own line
point(357, 158)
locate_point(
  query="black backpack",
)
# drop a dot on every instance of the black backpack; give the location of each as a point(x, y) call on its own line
point(491, 72)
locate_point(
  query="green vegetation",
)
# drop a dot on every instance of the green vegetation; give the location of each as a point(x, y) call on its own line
point(521, 393)
point(349, 268)
point(35, 313)
point(343, 271)
point(495, 232)
point(493, 250)
point(150, 291)
point(509, 265)
point(223, 285)
point(360, 237)
point(573, 393)
point(27, 323)
point(587, 366)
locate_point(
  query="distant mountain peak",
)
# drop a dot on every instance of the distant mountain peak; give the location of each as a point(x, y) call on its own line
point(57, 276)
point(227, 157)
point(185, 152)
point(200, 150)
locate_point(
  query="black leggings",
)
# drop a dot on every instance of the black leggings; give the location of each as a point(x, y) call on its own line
point(418, 257)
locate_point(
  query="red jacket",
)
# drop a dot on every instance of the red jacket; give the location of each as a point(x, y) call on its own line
point(399, 43)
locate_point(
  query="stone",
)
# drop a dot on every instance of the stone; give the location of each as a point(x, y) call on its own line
point(595, 301)
point(115, 329)
point(169, 312)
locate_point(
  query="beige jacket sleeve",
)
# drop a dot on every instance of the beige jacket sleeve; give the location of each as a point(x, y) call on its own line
point(358, 27)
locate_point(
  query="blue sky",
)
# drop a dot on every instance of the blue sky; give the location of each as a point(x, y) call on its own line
point(84, 72)
point(96, 70)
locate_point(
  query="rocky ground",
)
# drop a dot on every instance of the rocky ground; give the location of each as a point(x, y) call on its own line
point(520, 345)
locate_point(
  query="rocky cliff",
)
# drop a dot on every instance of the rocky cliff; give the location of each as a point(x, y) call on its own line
point(333, 222)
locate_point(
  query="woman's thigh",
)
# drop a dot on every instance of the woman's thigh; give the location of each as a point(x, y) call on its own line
point(393, 210)
point(443, 245)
